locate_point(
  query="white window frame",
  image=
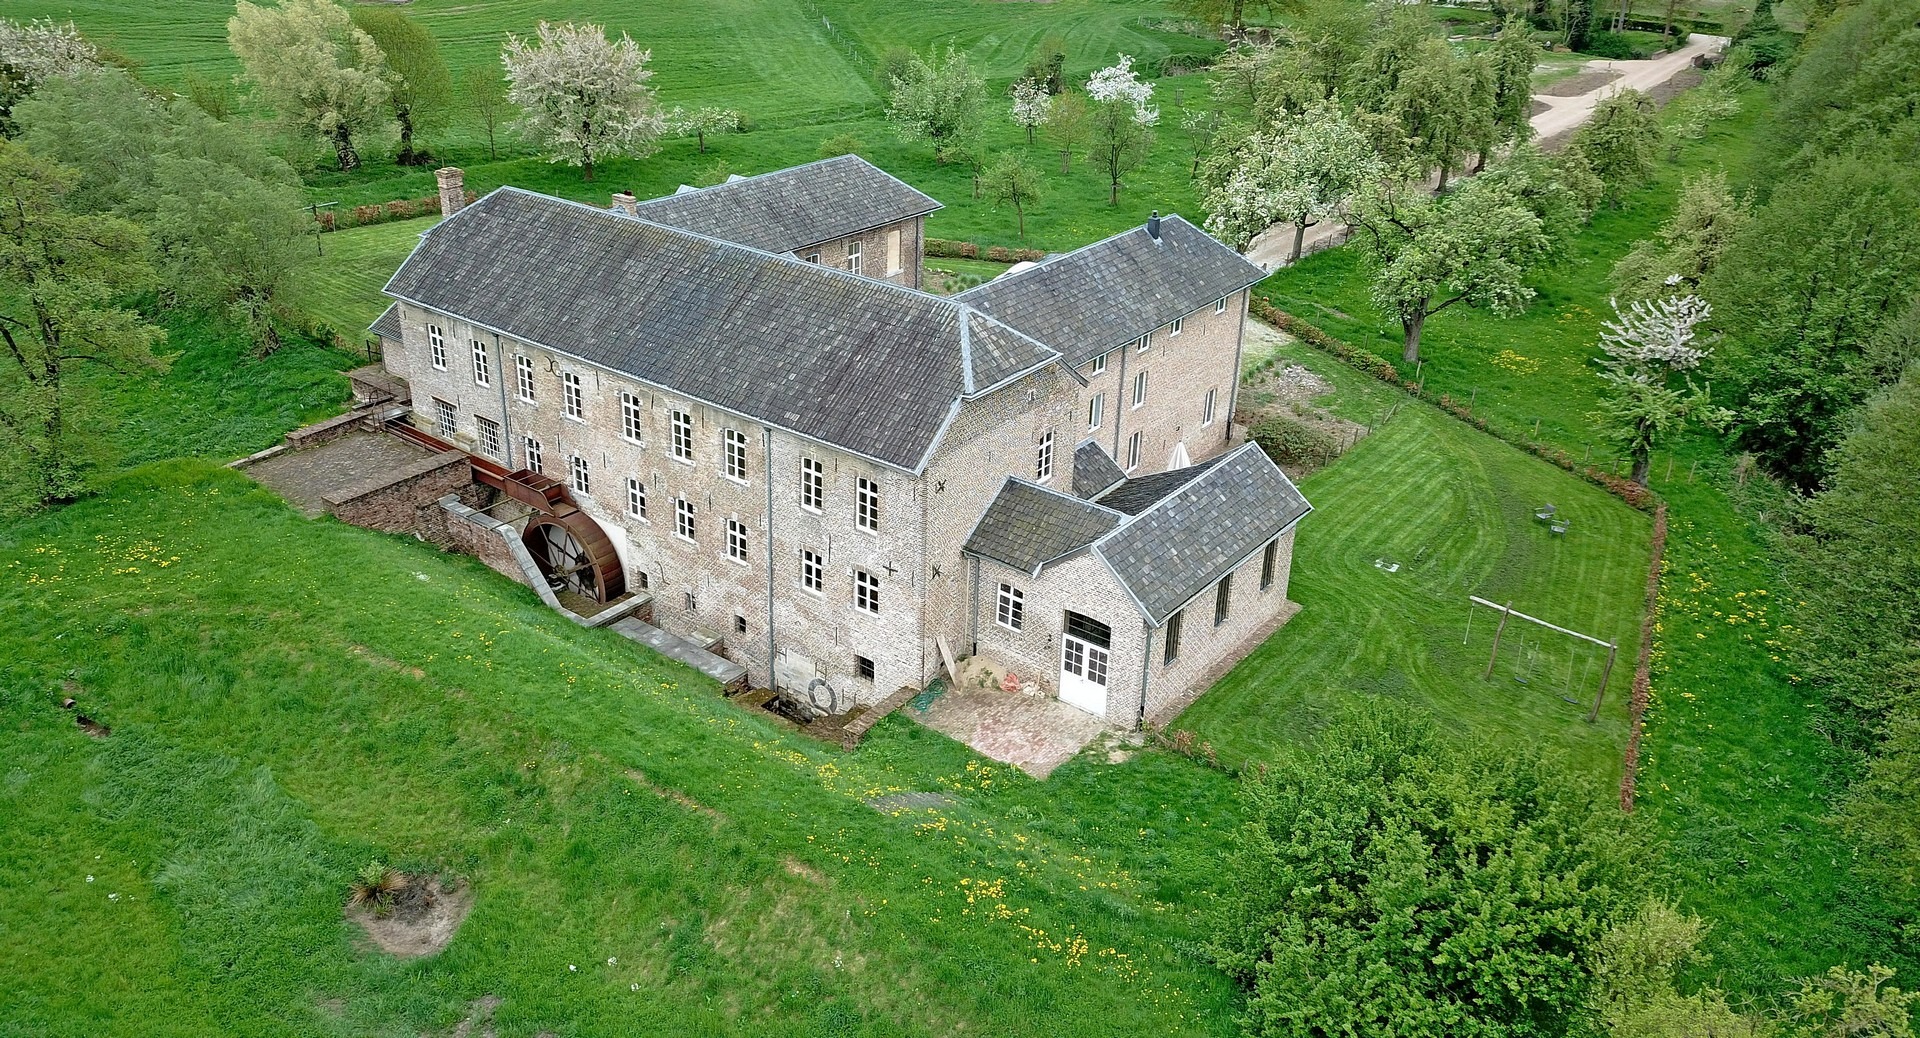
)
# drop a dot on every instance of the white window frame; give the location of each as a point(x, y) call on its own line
point(733, 452)
point(1174, 328)
point(1043, 464)
point(1143, 343)
point(1100, 362)
point(1140, 388)
point(1133, 451)
point(894, 266)
point(680, 442)
point(486, 432)
point(737, 541)
point(633, 417)
point(866, 592)
point(1206, 408)
point(1010, 611)
point(578, 476)
point(813, 485)
point(1096, 411)
point(573, 399)
point(436, 348)
point(446, 418)
point(867, 505)
point(482, 365)
point(813, 571)
point(636, 499)
point(536, 458)
point(1220, 306)
point(523, 377)
point(853, 256)
point(683, 515)
point(814, 256)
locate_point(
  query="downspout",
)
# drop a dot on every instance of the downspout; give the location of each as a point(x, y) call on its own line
point(1239, 349)
point(767, 435)
point(973, 609)
point(506, 420)
point(925, 497)
point(1146, 671)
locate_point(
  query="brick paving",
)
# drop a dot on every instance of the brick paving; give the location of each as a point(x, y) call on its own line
point(305, 477)
point(1033, 733)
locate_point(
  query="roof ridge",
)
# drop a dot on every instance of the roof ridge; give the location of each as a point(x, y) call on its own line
point(1064, 496)
point(1208, 467)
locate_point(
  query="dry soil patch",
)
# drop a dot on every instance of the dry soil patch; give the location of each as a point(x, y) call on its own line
point(420, 921)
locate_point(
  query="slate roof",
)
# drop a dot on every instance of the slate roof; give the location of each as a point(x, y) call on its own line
point(1114, 291)
point(861, 364)
point(1028, 525)
point(789, 209)
point(1193, 536)
point(1094, 471)
point(1138, 495)
point(387, 325)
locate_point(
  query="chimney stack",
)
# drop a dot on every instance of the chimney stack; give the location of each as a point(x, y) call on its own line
point(624, 202)
point(453, 189)
point(1153, 225)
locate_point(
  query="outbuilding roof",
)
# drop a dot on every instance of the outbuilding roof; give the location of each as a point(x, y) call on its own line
point(1094, 471)
point(1028, 525)
point(387, 325)
point(1110, 293)
point(861, 364)
point(790, 209)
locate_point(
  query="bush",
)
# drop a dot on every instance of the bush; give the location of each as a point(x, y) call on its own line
point(1613, 45)
point(840, 144)
point(1288, 440)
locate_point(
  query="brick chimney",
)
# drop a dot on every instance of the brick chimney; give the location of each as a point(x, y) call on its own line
point(624, 202)
point(453, 189)
point(1153, 225)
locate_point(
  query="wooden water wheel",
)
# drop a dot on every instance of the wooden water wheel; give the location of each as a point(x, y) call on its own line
point(574, 554)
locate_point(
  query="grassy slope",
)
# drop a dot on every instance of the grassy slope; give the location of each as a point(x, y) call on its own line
point(1734, 776)
point(343, 286)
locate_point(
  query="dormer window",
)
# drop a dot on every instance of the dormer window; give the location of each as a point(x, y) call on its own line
point(1100, 363)
point(1220, 306)
point(1143, 343)
point(853, 257)
point(1174, 328)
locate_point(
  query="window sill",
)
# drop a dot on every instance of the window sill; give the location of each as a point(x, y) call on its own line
point(575, 418)
point(1006, 626)
point(736, 479)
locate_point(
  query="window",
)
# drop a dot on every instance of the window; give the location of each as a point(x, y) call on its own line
point(866, 592)
point(813, 484)
point(1012, 612)
point(682, 435)
point(535, 461)
point(636, 498)
point(640, 576)
point(436, 347)
point(867, 511)
point(1174, 328)
point(482, 373)
point(633, 417)
point(735, 444)
point(893, 252)
point(813, 570)
point(1043, 468)
point(739, 624)
point(683, 518)
point(853, 257)
point(1139, 388)
point(736, 540)
point(523, 376)
point(1096, 410)
point(1269, 562)
point(1173, 638)
point(813, 257)
point(577, 466)
point(863, 668)
point(1220, 306)
point(1143, 343)
point(489, 431)
point(692, 603)
point(1206, 407)
point(1221, 595)
point(1100, 362)
point(1133, 452)
point(445, 418)
point(570, 401)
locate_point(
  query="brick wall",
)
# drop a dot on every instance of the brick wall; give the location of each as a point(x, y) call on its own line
point(395, 501)
point(876, 251)
point(1082, 584)
point(1207, 652)
point(1180, 369)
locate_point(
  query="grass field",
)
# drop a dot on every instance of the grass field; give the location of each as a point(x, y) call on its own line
point(343, 286)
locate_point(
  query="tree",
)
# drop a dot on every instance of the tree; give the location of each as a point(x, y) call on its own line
point(31, 53)
point(1645, 345)
point(214, 94)
point(1230, 14)
point(702, 122)
point(1474, 247)
point(1620, 140)
point(1514, 54)
point(1430, 100)
point(1637, 965)
point(1067, 124)
point(582, 95)
point(1390, 884)
point(1706, 217)
point(311, 64)
point(1010, 181)
point(486, 97)
point(1031, 103)
point(1579, 24)
point(1121, 116)
point(231, 241)
point(1302, 173)
point(420, 90)
point(63, 275)
point(1048, 62)
point(940, 100)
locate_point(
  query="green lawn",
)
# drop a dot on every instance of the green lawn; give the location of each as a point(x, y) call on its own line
point(342, 288)
point(1454, 508)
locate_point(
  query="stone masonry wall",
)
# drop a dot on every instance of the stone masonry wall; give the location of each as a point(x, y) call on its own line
point(875, 253)
point(394, 502)
point(1084, 585)
point(1207, 652)
point(1180, 370)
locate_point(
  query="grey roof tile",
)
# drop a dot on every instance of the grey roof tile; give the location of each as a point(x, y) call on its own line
point(1028, 525)
point(1194, 535)
point(1094, 471)
point(861, 364)
point(1111, 292)
point(1138, 495)
point(790, 209)
point(387, 325)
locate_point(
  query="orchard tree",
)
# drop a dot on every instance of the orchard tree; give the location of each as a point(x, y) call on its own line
point(1122, 116)
point(940, 100)
point(1513, 55)
point(1432, 100)
point(1068, 123)
point(581, 95)
point(700, 123)
point(420, 90)
point(1302, 173)
point(310, 62)
point(1474, 247)
point(1010, 181)
point(1620, 139)
point(1706, 217)
point(485, 95)
point(1645, 346)
point(63, 278)
point(1031, 105)
point(31, 53)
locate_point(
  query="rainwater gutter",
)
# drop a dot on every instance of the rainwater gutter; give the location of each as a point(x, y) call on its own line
point(767, 437)
point(506, 420)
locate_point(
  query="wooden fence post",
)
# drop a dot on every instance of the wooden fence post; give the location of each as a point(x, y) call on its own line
point(1497, 632)
point(1601, 692)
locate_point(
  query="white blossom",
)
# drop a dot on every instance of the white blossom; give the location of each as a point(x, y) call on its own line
point(584, 95)
point(33, 52)
point(1031, 103)
point(1117, 82)
point(1660, 332)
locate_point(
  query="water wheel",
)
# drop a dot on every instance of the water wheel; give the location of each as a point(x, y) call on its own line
point(574, 554)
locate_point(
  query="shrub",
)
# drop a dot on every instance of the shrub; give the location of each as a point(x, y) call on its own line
point(840, 144)
point(1613, 45)
point(376, 885)
point(1289, 440)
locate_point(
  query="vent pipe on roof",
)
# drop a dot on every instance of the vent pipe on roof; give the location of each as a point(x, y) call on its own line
point(453, 189)
point(624, 202)
point(1153, 225)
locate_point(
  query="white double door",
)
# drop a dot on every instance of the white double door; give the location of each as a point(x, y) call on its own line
point(1083, 675)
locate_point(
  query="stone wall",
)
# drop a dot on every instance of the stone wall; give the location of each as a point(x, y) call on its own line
point(875, 252)
point(1207, 652)
point(398, 501)
point(1180, 369)
point(1084, 585)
